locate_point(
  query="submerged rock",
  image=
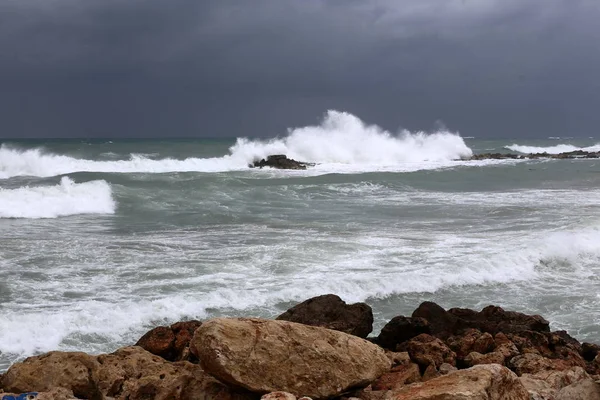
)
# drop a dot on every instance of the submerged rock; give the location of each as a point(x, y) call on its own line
point(269, 356)
point(280, 161)
point(329, 311)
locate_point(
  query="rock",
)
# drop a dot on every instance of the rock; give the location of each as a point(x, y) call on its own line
point(484, 343)
point(475, 358)
point(426, 349)
point(582, 390)
point(402, 358)
point(398, 377)
point(446, 368)
point(267, 356)
point(430, 373)
point(278, 396)
point(130, 373)
point(401, 329)
point(530, 363)
point(482, 382)
point(75, 371)
point(329, 311)
point(463, 344)
point(589, 351)
point(441, 323)
point(491, 319)
point(280, 161)
point(170, 343)
point(546, 384)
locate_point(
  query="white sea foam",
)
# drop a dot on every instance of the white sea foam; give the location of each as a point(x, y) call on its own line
point(341, 142)
point(561, 148)
point(66, 198)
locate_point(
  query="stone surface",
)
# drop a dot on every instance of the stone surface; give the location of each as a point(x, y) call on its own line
point(278, 396)
point(330, 311)
point(475, 358)
point(529, 363)
point(266, 356)
point(401, 358)
point(280, 161)
point(401, 329)
point(426, 349)
point(170, 342)
point(131, 373)
point(483, 382)
point(582, 390)
point(398, 377)
point(546, 384)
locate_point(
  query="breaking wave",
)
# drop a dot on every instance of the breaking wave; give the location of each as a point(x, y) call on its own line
point(340, 139)
point(561, 148)
point(66, 198)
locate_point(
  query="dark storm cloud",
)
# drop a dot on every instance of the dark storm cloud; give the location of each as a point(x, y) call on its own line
point(239, 67)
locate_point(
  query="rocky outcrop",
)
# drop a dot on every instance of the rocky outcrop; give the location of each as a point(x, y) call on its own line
point(400, 329)
point(130, 373)
point(267, 356)
point(170, 342)
point(280, 161)
point(483, 382)
point(561, 156)
point(330, 311)
point(426, 350)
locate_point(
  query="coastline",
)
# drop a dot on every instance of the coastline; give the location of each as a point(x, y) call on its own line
point(433, 352)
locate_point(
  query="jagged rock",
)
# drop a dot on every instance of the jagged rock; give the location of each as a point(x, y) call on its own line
point(446, 368)
point(130, 373)
point(441, 323)
point(482, 382)
point(475, 358)
point(329, 311)
point(589, 351)
point(170, 343)
point(463, 344)
point(530, 363)
point(266, 356)
point(280, 161)
point(426, 350)
point(431, 372)
point(397, 377)
point(401, 329)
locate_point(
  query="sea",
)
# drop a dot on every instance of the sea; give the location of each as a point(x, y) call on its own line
point(102, 240)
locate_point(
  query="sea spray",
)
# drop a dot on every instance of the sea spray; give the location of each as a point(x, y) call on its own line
point(66, 198)
point(341, 142)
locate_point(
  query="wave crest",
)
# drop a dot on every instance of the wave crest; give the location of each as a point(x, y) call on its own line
point(66, 198)
point(561, 148)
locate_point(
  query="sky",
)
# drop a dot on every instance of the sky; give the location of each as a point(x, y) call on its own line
point(230, 68)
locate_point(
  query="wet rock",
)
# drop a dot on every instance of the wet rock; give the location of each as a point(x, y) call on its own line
point(426, 350)
point(401, 329)
point(589, 351)
point(170, 342)
point(329, 311)
point(398, 377)
point(482, 382)
point(280, 161)
point(266, 356)
point(441, 323)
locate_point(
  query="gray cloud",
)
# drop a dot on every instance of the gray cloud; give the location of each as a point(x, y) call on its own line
point(237, 67)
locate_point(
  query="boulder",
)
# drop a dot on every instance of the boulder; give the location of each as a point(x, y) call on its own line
point(546, 384)
point(589, 351)
point(586, 389)
point(482, 382)
point(401, 329)
point(427, 350)
point(170, 342)
point(398, 377)
point(401, 358)
point(530, 363)
point(441, 323)
point(267, 356)
point(279, 161)
point(329, 311)
point(130, 373)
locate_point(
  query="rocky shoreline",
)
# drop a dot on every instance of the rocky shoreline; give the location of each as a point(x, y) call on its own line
point(281, 161)
point(321, 349)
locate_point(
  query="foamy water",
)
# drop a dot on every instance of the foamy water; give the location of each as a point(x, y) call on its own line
point(561, 148)
point(147, 233)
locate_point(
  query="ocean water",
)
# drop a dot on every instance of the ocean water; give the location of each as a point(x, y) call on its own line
point(102, 240)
